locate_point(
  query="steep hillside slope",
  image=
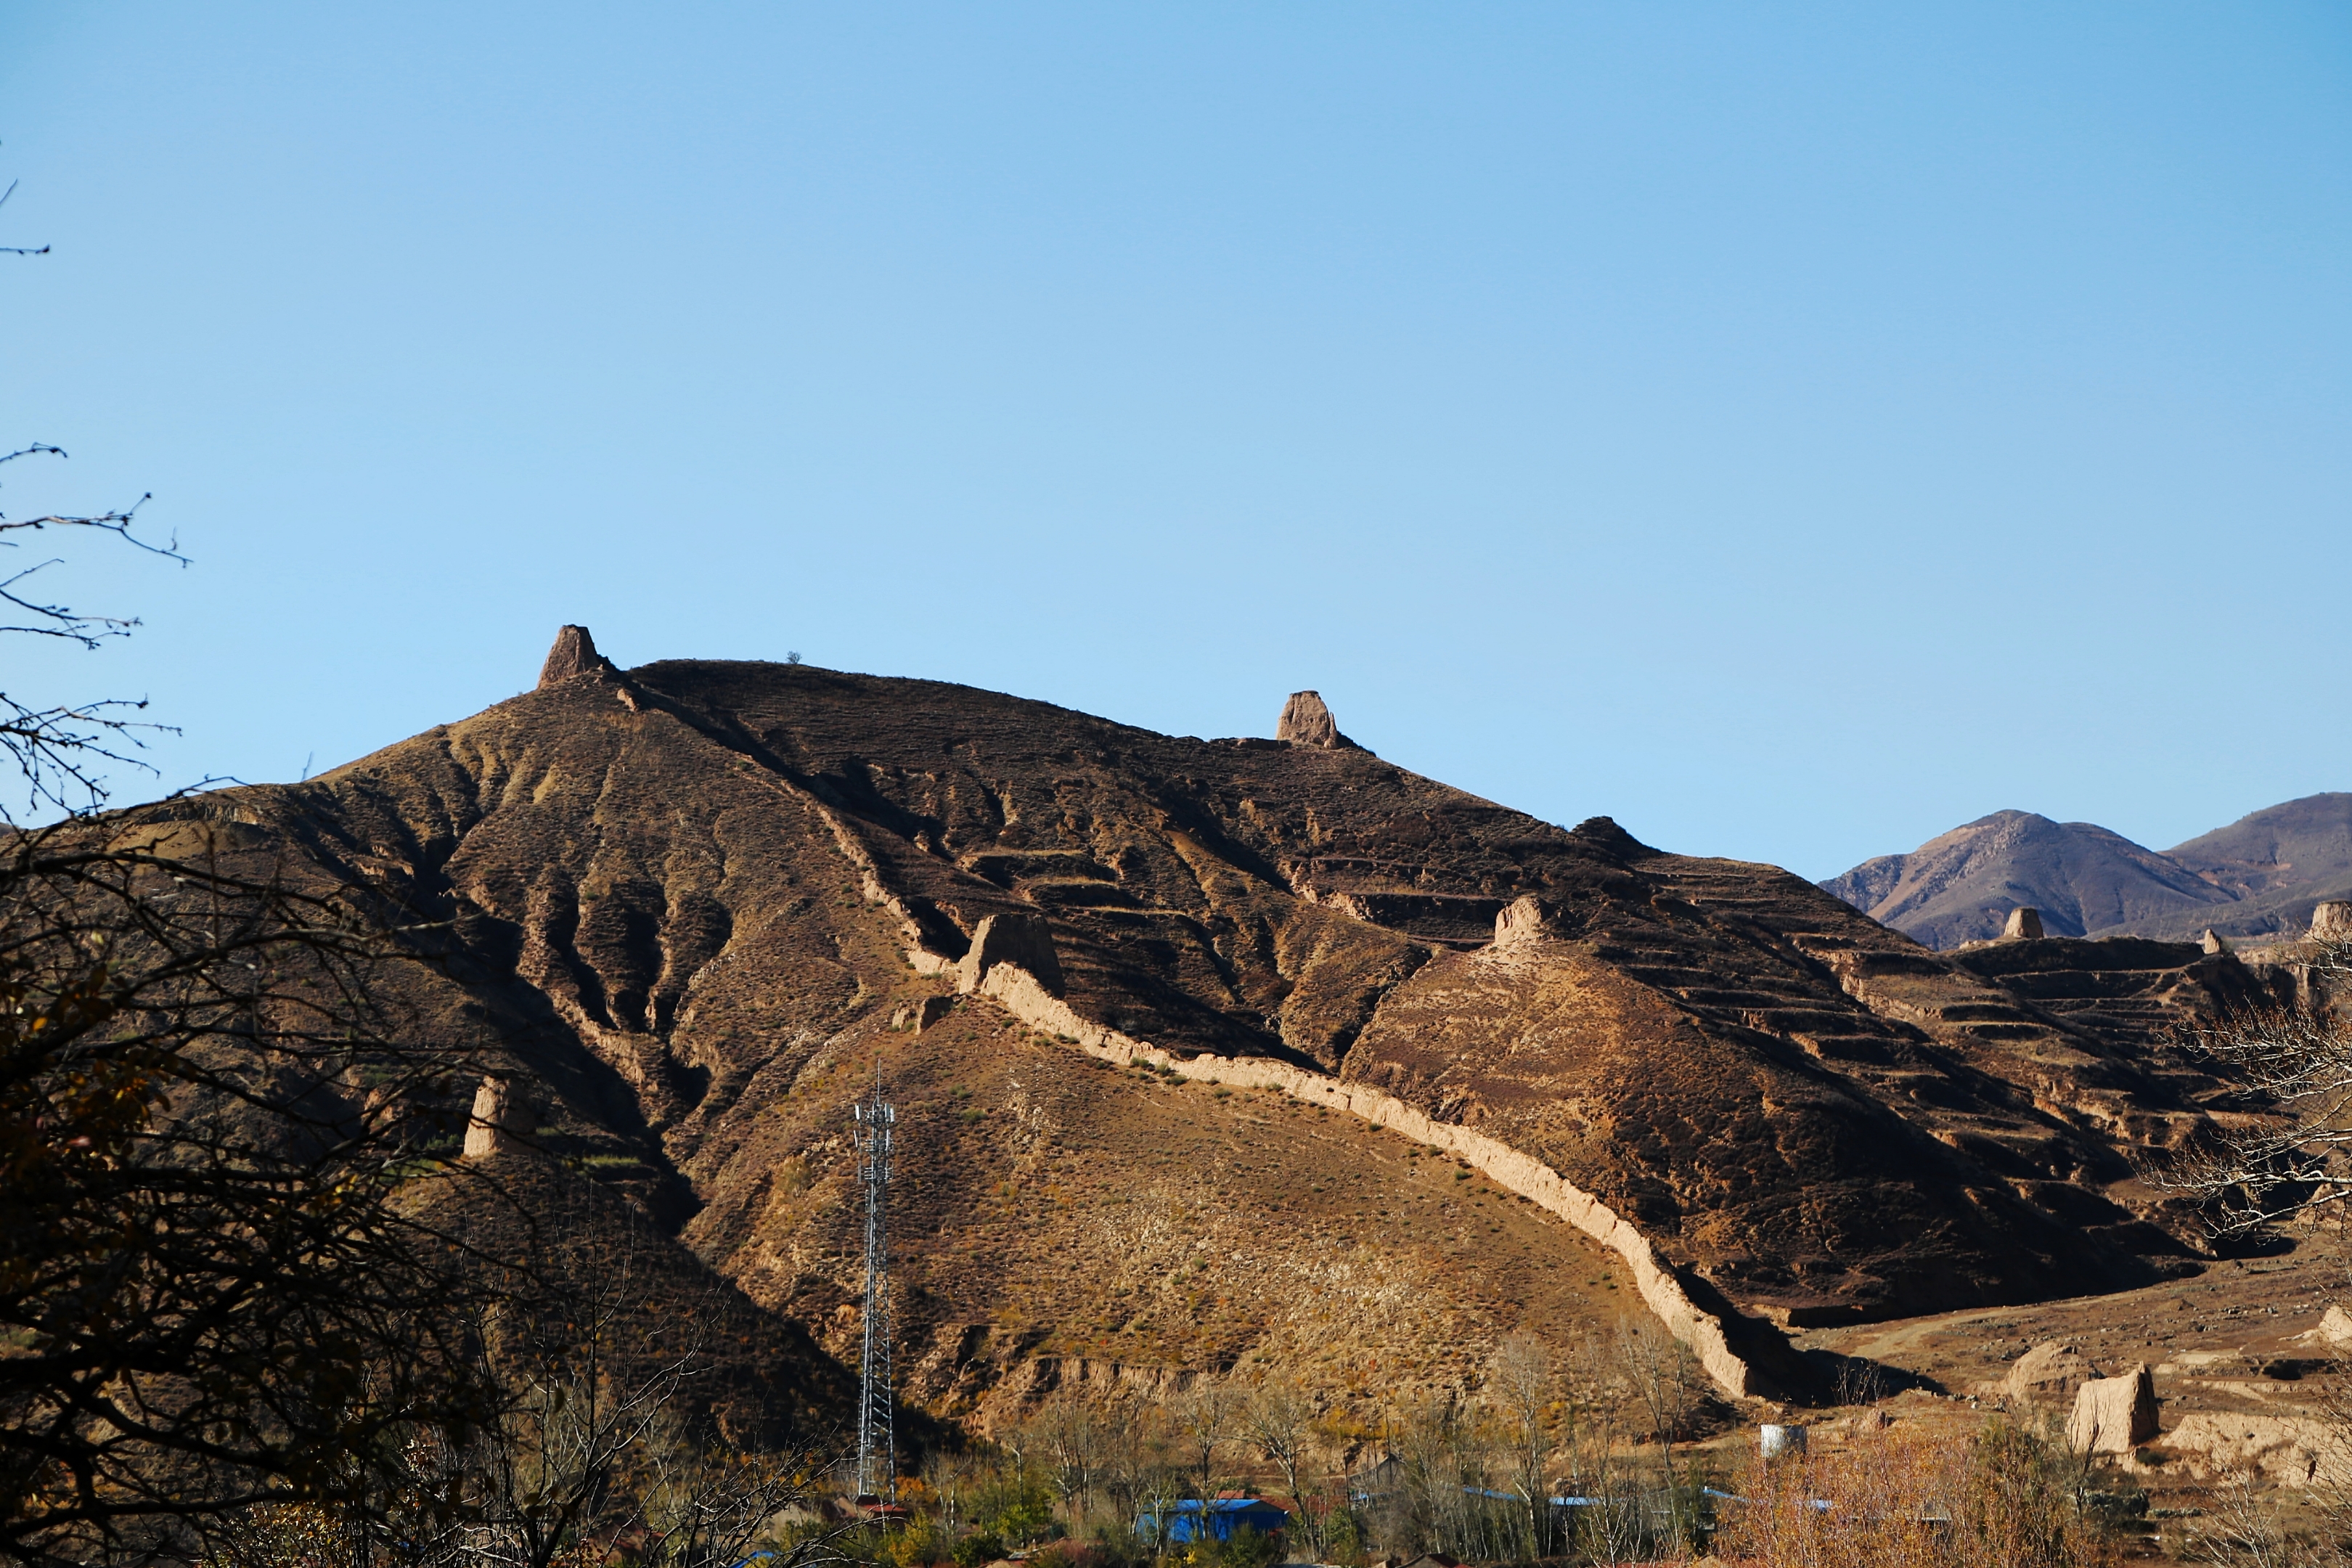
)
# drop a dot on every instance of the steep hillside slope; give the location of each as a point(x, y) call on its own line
point(2084, 880)
point(689, 901)
point(2277, 863)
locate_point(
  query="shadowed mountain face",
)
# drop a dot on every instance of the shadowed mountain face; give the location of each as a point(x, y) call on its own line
point(2259, 877)
point(2085, 880)
point(688, 902)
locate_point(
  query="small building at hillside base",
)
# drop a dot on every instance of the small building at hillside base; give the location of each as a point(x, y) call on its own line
point(1191, 1520)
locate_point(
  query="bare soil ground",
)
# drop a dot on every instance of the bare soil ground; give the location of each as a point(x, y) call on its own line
point(2245, 1381)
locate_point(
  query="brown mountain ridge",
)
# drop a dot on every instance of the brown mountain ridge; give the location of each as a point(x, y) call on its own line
point(2258, 877)
point(1238, 1051)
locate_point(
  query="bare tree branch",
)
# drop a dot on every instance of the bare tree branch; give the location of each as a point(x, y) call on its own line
point(18, 249)
point(60, 752)
point(2288, 1146)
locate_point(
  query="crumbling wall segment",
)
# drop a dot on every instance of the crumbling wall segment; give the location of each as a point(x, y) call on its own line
point(1019, 993)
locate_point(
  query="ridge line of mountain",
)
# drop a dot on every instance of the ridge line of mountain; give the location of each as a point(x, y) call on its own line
point(687, 900)
point(2259, 879)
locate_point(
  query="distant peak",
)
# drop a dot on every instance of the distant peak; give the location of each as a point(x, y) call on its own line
point(574, 653)
point(2009, 818)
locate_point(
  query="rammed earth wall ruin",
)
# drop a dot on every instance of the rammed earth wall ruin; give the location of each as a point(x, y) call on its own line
point(1018, 993)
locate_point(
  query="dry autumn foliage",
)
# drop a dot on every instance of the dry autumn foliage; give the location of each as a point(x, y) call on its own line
point(1895, 1500)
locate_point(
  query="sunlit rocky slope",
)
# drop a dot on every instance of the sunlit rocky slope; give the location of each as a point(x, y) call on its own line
point(1273, 1051)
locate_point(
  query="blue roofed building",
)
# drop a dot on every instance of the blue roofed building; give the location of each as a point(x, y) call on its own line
point(1218, 1520)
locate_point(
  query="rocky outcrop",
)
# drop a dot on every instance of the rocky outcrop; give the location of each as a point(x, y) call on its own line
point(503, 1118)
point(1025, 941)
point(2294, 1451)
point(2113, 1414)
point(2331, 921)
point(1522, 920)
point(2048, 1375)
point(1305, 721)
point(917, 1017)
point(574, 654)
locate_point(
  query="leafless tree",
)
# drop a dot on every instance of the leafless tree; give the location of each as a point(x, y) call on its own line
point(209, 1299)
point(2292, 1059)
point(1142, 1463)
point(1281, 1421)
point(2295, 1059)
point(1069, 1429)
point(601, 1446)
point(1665, 1377)
point(209, 1296)
point(2241, 1528)
point(1204, 1415)
point(18, 249)
point(1445, 1498)
point(1608, 1524)
point(1518, 1390)
point(60, 751)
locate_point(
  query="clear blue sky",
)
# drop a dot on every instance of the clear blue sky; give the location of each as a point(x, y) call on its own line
point(1790, 429)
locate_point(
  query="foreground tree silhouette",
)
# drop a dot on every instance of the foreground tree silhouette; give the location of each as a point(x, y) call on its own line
point(209, 1297)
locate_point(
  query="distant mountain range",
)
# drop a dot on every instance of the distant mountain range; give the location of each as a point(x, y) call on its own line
point(2257, 878)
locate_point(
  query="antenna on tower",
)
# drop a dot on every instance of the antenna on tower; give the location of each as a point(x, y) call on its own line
point(876, 1119)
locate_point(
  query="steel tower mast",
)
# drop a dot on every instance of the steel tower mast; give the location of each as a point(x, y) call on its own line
point(876, 1119)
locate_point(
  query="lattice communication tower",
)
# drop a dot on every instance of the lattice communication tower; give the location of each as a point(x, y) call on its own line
point(875, 1123)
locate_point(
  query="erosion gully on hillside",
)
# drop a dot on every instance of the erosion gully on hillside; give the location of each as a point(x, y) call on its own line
point(687, 902)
